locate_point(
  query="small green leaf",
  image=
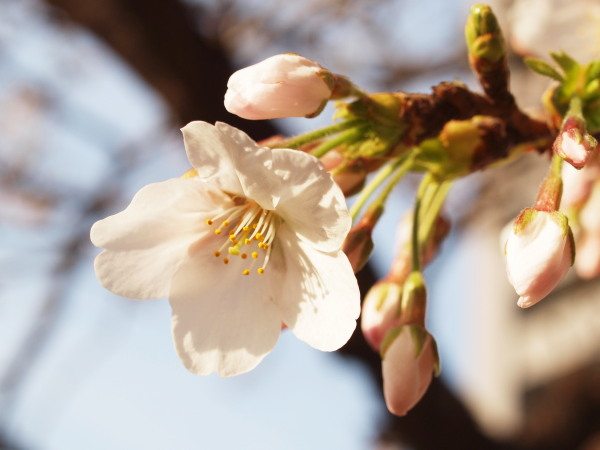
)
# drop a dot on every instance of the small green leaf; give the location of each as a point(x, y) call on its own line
point(593, 70)
point(566, 63)
point(543, 68)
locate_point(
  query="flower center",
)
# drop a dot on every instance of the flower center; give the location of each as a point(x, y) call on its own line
point(248, 232)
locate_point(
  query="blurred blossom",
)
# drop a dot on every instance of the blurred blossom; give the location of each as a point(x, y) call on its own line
point(538, 27)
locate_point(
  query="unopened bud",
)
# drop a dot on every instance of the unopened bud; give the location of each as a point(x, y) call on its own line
point(414, 299)
point(349, 175)
point(358, 245)
point(483, 34)
point(409, 361)
point(286, 85)
point(539, 252)
point(574, 144)
point(380, 311)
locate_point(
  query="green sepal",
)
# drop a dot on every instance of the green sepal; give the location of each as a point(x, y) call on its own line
point(524, 219)
point(419, 335)
point(562, 221)
point(389, 338)
point(382, 129)
point(543, 68)
point(437, 368)
point(593, 70)
point(566, 63)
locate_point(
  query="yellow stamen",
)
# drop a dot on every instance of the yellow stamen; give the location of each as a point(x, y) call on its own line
point(260, 270)
point(218, 231)
point(254, 255)
point(209, 222)
point(246, 272)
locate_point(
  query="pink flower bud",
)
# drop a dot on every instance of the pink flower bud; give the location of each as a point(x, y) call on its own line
point(350, 176)
point(539, 252)
point(286, 85)
point(409, 363)
point(380, 312)
point(574, 144)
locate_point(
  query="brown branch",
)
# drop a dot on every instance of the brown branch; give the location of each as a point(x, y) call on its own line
point(159, 40)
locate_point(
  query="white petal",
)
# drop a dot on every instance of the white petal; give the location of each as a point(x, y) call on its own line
point(310, 201)
point(223, 321)
point(318, 293)
point(253, 165)
point(147, 241)
point(209, 155)
point(232, 160)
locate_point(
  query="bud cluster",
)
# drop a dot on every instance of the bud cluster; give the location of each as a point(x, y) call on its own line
point(445, 135)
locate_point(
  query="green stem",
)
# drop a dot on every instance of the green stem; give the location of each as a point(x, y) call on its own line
point(575, 108)
point(431, 210)
point(303, 139)
point(550, 191)
point(415, 247)
point(396, 176)
point(383, 174)
point(349, 136)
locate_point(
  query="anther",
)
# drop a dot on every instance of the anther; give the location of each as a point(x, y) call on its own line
point(224, 224)
point(260, 270)
point(254, 255)
point(217, 253)
point(246, 272)
point(243, 255)
point(209, 222)
point(218, 231)
point(225, 260)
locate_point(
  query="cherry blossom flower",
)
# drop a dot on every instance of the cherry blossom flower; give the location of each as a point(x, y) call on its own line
point(249, 243)
point(409, 362)
point(539, 252)
point(286, 85)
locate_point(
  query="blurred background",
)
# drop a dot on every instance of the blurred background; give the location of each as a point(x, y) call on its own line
point(92, 96)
